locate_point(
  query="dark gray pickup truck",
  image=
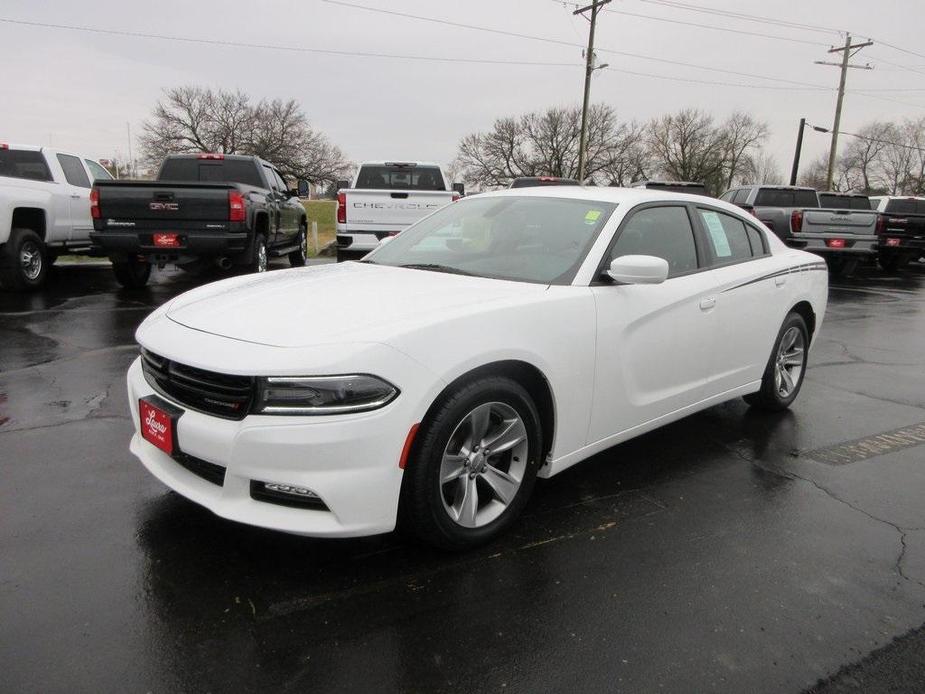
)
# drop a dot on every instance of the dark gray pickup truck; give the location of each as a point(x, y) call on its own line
point(900, 230)
point(844, 235)
point(203, 209)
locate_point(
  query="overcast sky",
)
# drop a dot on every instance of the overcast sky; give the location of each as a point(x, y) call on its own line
point(78, 90)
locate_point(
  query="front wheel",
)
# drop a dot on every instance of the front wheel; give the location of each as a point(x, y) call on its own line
point(131, 274)
point(298, 258)
point(24, 262)
point(260, 261)
point(474, 464)
point(783, 376)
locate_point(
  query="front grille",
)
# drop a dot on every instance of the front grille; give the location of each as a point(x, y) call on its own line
point(210, 472)
point(222, 395)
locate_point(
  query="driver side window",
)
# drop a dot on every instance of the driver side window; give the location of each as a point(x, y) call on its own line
point(664, 232)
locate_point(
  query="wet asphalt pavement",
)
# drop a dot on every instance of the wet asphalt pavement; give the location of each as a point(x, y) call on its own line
point(717, 554)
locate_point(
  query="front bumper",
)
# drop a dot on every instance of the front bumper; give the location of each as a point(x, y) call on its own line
point(192, 243)
point(349, 461)
point(816, 243)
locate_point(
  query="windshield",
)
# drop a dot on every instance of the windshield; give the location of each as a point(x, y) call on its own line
point(530, 239)
point(400, 177)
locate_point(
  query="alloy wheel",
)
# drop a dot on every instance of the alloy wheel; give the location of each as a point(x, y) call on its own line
point(791, 357)
point(261, 257)
point(483, 464)
point(30, 259)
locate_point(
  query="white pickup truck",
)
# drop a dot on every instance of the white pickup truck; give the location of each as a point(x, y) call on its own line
point(384, 198)
point(44, 210)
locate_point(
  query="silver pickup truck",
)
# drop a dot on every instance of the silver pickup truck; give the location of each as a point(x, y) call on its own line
point(840, 227)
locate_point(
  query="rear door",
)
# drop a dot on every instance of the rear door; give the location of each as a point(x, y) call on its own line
point(77, 188)
point(654, 342)
point(748, 297)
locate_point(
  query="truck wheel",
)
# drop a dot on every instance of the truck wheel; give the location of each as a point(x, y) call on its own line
point(783, 376)
point(298, 258)
point(24, 263)
point(473, 464)
point(260, 259)
point(131, 274)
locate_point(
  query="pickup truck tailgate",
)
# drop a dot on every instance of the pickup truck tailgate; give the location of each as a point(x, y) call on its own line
point(154, 203)
point(391, 210)
point(823, 221)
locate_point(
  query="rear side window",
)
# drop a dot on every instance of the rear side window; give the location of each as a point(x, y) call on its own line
point(400, 177)
point(728, 236)
point(757, 241)
point(211, 170)
point(18, 163)
point(786, 197)
point(74, 171)
point(664, 232)
point(97, 171)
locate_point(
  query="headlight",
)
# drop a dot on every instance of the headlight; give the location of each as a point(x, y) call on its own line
point(322, 394)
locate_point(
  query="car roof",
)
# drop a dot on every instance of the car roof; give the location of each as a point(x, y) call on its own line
point(848, 195)
point(663, 182)
point(384, 162)
point(620, 196)
point(27, 148)
point(776, 187)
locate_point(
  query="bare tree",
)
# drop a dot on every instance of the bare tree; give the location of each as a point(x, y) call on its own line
point(194, 119)
point(687, 146)
point(629, 158)
point(539, 144)
point(759, 167)
point(742, 134)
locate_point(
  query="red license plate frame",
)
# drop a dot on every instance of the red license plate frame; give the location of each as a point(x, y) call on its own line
point(157, 421)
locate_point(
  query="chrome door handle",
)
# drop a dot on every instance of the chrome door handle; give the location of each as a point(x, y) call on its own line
point(708, 303)
point(780, 281)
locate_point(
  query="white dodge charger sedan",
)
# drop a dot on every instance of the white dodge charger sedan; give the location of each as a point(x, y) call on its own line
point(507, 336)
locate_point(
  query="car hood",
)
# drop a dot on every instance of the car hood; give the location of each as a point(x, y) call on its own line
point(346, 302)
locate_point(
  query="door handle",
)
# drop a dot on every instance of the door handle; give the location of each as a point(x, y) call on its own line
point(707, 303)
point(780, 281)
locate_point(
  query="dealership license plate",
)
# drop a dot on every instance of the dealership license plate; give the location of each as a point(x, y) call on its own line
point(166, 240)
point(158, 421)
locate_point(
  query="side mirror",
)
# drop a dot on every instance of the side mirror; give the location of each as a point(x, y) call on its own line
point(343, 185)
point(638, 269)
point(460, 188)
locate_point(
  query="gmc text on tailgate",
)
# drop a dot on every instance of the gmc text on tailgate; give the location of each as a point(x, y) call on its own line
point(385, 198)
point(203, 209)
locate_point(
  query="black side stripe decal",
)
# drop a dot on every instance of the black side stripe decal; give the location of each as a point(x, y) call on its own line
point(806, 267)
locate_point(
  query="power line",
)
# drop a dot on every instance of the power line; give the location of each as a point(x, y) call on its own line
point(264, 46)
point(702, 26)
point(870, 139)
point(742, 16)
point(687, 80)
point(897, 65)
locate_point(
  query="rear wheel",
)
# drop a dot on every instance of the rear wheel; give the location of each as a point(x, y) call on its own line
point(783, 376)
point(474, 464)
point(894, 262)
point(24, 262)
point(298, 258)
point(260, 260)
point(132, 273)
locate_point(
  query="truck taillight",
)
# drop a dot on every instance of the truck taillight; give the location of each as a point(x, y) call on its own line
point(236, 212)
point(881, 224)
point(95, 203)
point(341, 208)
point(4, 145)
point(796, 221)
point(455, 197)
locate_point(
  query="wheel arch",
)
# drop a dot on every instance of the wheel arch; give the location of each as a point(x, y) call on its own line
point(529, 376)
point(32, 218)
point(805, 310)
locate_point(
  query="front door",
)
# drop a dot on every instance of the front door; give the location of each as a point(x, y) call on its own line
point(654, 342)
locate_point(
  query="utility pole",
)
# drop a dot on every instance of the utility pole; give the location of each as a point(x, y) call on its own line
point(848, 51)
point(131, 160)
point(589, 70)
point(796, 154)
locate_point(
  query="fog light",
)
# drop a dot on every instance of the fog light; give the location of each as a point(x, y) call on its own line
point(289, 489)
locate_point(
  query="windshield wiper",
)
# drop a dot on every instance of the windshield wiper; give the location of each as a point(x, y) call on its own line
point(435, 267)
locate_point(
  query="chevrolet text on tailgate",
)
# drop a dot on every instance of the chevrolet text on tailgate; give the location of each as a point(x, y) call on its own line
point(385, 198)
point(203, 209)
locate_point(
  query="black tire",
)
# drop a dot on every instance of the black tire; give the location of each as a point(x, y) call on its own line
point(770, 397)
point(24, 261)
point(341, 257)
point(423, 510)
point(260, 260)
point(131, 274)
point(299, 257)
